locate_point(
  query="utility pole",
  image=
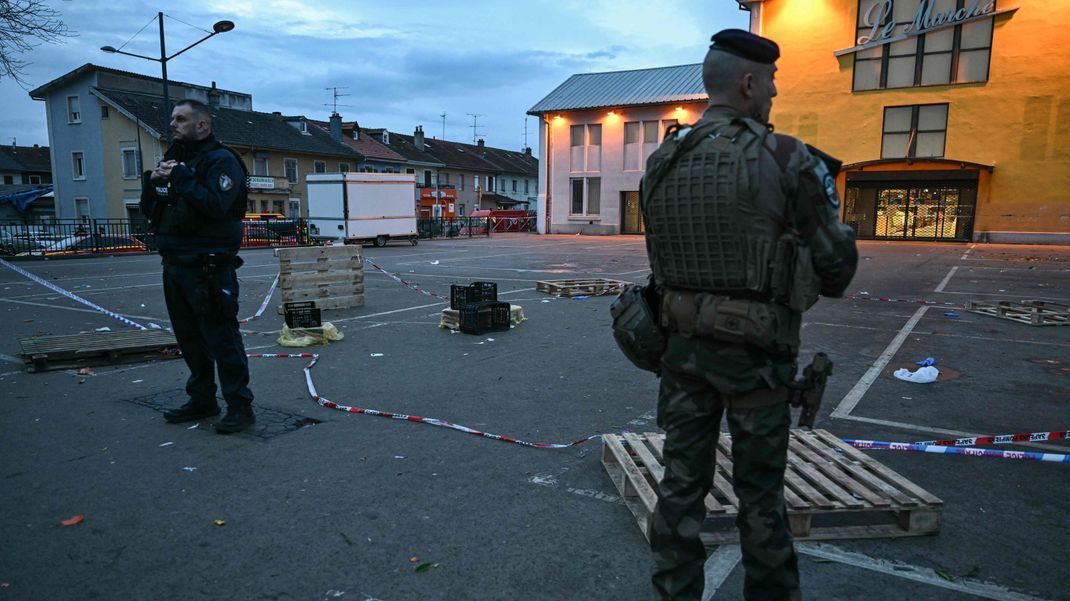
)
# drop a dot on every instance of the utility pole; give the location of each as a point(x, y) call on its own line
point(475, 119)
point(443, 115)
point(334, 102)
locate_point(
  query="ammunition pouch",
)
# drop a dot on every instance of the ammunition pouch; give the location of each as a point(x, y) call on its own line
point(793, 281)
point(771, 327)
point(636, 326)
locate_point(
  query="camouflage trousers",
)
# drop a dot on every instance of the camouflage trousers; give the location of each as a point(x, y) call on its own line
point(690, 410)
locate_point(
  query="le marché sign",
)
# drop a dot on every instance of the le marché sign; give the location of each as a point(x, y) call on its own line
point(926, 19)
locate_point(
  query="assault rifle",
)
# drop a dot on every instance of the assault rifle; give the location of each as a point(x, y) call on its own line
point(806, 392)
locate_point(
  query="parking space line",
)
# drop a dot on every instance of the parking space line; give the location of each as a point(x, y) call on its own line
point(719, 565)
point(947, 278)
point(984, 590)
point(851, 399)
point(963, 258)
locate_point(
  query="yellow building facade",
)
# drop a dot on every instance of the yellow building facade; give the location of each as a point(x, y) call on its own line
point(952, 116)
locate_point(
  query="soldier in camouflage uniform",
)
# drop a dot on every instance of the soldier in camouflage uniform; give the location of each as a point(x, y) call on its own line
point(742, 234)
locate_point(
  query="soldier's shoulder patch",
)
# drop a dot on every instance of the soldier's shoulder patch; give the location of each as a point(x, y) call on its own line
point(828, 183)
point(225, 183)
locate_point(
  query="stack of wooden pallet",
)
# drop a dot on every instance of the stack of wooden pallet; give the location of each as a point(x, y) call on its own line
point(332, 276)
point(1031, 312)
point(579, 287)
point(89, 349)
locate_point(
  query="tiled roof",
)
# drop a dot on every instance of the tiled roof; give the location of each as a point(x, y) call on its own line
point(661, 85)
point(365, 144)
point(39, 92)
point(25, 158)
point(267, 131)
point(466, 157)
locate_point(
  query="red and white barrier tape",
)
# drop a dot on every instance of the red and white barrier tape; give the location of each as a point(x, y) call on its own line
point(945, 450)
point(264, 304)
point(1000, 439)
point(431, 421)
point(398, 279)
point(71, 295)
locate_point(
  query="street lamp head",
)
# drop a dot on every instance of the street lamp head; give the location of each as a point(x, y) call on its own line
point(110, 49)
point(223, 26)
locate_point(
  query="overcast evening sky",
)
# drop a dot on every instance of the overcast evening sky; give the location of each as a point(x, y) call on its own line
point(402, 64)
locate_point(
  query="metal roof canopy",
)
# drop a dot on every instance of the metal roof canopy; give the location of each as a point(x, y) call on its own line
point(661, 85)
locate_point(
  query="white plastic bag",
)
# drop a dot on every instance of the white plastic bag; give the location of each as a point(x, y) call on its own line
point(924, 375)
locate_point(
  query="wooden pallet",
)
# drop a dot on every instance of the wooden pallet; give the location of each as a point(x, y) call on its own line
point(89, 349)
point(579, 287)
point(832, 490)
point(1031, 312)
point(451, 318)
point(333, 276)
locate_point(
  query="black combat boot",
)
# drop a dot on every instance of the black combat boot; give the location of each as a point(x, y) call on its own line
point(237, 419)
point(191, 411)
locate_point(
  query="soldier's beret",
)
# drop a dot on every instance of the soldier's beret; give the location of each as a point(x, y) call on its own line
point(747, 45)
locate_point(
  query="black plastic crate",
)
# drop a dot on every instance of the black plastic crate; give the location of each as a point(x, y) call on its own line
point(476, 292)
point(487, 316)
point(302, 314)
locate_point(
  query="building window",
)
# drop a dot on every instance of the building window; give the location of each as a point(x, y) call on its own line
point(490, 183)
point(295, 208)
point(514, 185)
point(427, 178)
point(131, 163)
point(956, 54)
point(35, 180)
point(81, 208)
point(9, 179)
point(78, 165)
point(446, 179)
point(319, 166)
point(260, 166)
point(460, 209)
point(343, 167)
point(527, 184)
point(586, 151)
point(290, 166)
point(104, 111)
point(586, 196)
point(640, 140)
point(917, 131)
point(74, 110)
point(460, 181)
point(410, 170)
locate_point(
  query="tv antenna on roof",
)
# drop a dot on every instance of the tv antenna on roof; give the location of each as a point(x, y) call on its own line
point(475, 119)
point(443, 115)
point(334, 103)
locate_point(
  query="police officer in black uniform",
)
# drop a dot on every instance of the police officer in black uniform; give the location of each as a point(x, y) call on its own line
point(195, 201)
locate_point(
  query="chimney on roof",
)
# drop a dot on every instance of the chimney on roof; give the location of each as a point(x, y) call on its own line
point(213, 97)
point(418, 137)
point(480, 145)
point(336, 127)
point(527, 150)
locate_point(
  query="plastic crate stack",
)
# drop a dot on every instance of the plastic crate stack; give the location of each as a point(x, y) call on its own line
point(479, 309)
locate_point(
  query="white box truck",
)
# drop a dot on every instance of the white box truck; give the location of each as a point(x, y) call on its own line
point(359, 208)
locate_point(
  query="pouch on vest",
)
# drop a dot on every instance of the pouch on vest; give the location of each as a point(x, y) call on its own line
point(635, 326)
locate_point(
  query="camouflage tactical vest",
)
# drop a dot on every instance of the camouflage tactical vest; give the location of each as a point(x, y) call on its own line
point(705, 230)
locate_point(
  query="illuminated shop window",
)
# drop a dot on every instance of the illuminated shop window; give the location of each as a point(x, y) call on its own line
point(917, 131)
point(942, 54)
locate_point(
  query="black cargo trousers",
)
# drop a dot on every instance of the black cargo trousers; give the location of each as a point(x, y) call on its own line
point(201, 292)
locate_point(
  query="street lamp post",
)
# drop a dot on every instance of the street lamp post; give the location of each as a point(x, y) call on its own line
point(218, 27)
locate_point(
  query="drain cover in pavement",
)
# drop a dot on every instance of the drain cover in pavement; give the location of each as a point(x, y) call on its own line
point(269, 422)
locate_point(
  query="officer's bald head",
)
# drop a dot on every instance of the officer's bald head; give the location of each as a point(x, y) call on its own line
point(191, 120)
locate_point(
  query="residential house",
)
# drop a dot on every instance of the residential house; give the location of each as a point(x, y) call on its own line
point(26, 188)
point(102, 121)
point(597, 130)
point(378, 158)
point(517, 184)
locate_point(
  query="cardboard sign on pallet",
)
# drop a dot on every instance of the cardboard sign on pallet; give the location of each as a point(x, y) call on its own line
point(832, 490)
point(333, 276)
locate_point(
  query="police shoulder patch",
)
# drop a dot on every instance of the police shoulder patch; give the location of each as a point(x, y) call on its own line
point(225, 183)
point(828, 183)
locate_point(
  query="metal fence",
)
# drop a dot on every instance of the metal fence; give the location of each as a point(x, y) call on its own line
point(108, 236)
point(457, 227)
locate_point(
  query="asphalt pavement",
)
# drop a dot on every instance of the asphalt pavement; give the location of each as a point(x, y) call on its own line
point(319, 504)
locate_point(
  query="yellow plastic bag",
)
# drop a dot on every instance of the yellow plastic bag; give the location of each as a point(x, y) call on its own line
point(298, 337)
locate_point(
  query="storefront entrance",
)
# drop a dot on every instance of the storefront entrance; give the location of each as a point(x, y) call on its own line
point(910, 210)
